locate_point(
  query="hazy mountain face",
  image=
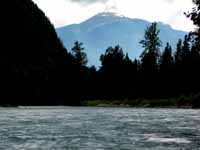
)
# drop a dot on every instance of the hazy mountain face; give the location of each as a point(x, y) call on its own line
point(110, 29)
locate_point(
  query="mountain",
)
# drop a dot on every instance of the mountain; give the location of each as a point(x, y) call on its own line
point(110, 29)
point(30, 54)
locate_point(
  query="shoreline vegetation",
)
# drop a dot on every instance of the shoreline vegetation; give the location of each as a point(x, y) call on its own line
point(181, 102)
point(139, 103)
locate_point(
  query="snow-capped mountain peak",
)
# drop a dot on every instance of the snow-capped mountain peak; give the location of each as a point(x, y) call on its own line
point(110, 14)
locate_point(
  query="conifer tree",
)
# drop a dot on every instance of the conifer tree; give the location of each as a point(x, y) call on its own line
point(178, 51)
point(151, 44)
point(79, 55)
point(166, 61)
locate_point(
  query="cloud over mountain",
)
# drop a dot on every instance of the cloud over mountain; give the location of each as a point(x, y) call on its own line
point(88, 1)
point(169, 1)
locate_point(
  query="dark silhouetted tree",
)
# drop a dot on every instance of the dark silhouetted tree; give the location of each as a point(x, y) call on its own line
point(167, 60)
point(182, 56)
point(167, 71)
point(178, 52)
point(195, 17)
point(151, 44)
point(185, 49)
point(149, 59)
point(115, 72)
point(80, 56)
point(112, 56)
point(195, 50)
point(112, 62)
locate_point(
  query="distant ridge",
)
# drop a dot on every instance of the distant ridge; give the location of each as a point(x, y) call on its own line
point(109, 29)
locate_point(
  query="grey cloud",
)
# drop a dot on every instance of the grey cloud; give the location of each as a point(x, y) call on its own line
point(86, 2)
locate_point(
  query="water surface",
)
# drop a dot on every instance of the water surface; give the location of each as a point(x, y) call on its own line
point(85, 128)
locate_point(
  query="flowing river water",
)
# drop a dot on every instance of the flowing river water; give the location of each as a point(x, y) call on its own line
point(92, 128)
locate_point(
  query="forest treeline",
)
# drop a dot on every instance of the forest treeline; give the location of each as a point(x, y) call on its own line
point(36, 69)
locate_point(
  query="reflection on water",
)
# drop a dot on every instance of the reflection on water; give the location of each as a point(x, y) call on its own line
point(74, 128)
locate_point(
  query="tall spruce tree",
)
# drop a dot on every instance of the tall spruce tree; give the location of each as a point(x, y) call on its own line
point(186, 49)
point(178, 52)
point(151, 44)
point(113, 71)
point(166, 60)
point(79, 55)
point(194, 15)
point(166, 75)
point(149, 61)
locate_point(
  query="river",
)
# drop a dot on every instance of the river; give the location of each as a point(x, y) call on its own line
point(91, 128)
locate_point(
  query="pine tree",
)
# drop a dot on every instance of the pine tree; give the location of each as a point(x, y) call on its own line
point(178, 51)
point(195, 51)
point(79, 55)
point(167, 72)
point(112, 56)
point(167, 60)
point(195, 17)
point(149, 61)
point(151, 44)
point(113, 71)
point(127, 60)
point(186, 49)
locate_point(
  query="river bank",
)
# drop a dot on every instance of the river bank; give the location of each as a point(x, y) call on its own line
point(186, 102)
point(182, 102)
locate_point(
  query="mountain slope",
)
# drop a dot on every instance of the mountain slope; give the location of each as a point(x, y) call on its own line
point(30, 50)
point(110, 29)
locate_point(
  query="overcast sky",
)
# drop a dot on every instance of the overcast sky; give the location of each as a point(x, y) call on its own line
point(65, 12)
